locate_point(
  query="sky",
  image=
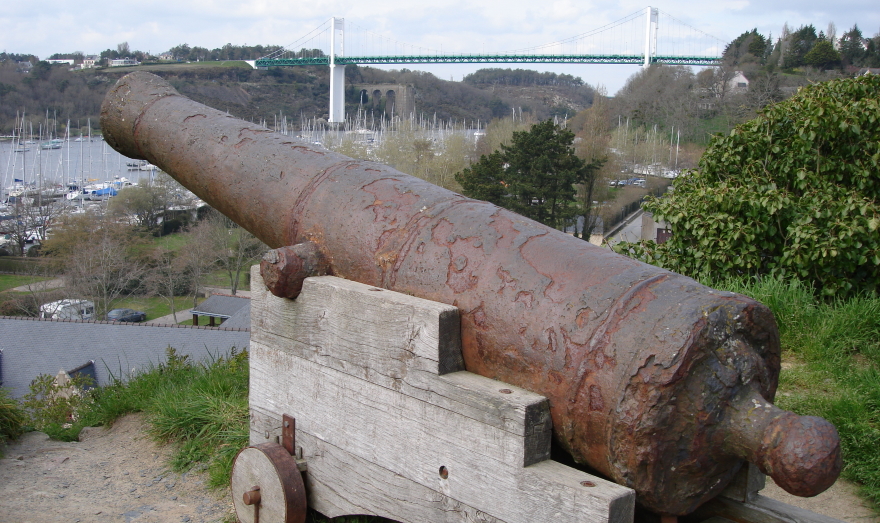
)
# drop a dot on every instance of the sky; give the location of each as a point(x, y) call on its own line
point(453, 26)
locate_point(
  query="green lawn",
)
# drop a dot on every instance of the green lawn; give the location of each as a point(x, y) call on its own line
point(173, 242)
point(220, 279)
point(9, 281)
point(156, 307)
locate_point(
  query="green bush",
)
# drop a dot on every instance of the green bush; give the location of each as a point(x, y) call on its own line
point(795, 192)
point(12, 417)
point(54, 408)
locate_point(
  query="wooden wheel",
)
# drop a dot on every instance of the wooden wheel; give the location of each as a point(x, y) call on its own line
point(267, 486)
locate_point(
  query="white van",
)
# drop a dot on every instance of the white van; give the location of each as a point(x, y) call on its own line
point(68, 310)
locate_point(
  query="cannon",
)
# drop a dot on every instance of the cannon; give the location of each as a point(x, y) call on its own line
point(653, 380)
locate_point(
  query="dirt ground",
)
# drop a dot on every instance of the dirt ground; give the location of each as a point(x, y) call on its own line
point(116, 475)
point(120, 475)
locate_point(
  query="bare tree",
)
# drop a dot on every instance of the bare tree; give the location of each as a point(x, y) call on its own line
point(236, 248)
point(198, 256)
point(168, 277)
point(99, 258)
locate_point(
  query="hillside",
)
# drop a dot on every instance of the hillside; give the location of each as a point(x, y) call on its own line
point(54, 93)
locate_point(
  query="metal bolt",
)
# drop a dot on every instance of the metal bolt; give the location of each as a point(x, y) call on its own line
point(505, 391)
point(444, 473)
point(588, 484)
point(252, 496)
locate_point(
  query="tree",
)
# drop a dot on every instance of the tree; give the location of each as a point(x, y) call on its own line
point(538, 170)
point(100, 259)
point(852, 47)
point(234, 247)
point(199, 256)
point(168, 277)
point(750, 46)
point(822, 55)
point(143, 205)
point(592, 138)
point(484, 180)
point(799, 44)
point(793, 192)
point(661, 95)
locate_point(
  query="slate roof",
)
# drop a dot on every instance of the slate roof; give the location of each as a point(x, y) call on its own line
point(240, 320)
point(33, 346)
point(222, 306)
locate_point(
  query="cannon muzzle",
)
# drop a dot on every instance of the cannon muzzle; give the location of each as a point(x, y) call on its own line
point(658, 382)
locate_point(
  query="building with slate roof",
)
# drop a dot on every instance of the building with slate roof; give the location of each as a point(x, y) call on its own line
point(105, 350)
point(222, 307)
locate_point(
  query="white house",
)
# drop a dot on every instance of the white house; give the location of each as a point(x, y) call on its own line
point(738, 84)
point(122, 62)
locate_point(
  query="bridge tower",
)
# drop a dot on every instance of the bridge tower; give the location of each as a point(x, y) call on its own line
point(652, 15)
point(337, 72)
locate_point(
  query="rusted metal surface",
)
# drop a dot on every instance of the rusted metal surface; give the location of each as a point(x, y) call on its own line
point(288, 434)
point(651, 377)
point(284, 269)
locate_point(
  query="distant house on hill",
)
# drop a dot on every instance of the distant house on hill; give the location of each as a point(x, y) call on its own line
point(123, 62)
point(738, 84)
point(61, 61)
point(89, 61)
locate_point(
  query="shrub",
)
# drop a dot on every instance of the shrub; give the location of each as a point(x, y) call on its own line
point(794, 192)
point(12, 417)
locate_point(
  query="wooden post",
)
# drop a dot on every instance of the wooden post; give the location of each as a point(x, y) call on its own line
point(195, 319)
point(391, 425)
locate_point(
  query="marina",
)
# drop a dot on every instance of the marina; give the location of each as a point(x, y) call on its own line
point(60, 167)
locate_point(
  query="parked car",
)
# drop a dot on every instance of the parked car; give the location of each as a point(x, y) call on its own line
point(126, 315)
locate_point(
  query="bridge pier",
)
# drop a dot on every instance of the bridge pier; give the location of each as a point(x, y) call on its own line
point(337, 93)
point(337, 72)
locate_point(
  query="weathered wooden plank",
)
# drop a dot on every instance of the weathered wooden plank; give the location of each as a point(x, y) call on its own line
point(350, 320)
point(352, 414)
point(388, 362)
point(347, 484)
point(414, 439)
point(344, 484)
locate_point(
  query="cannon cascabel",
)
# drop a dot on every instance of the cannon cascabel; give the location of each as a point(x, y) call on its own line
point(658, 382)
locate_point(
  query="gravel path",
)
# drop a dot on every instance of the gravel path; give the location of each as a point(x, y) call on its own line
point(119, 475)
point(111, 475)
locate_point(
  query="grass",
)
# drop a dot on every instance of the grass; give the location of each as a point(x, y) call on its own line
point(173, 242)
point(12, 418)
point(220, 278)
point(199, 408)
point(154, 306)
point(831, 367)
point(9, 281)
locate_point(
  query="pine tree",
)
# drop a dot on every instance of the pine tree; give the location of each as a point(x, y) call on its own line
point(533, 176)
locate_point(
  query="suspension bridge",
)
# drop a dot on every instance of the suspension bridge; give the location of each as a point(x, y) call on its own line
point(639, 39)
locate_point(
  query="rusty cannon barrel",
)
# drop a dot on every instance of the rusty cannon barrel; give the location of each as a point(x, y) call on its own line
point(658, 382)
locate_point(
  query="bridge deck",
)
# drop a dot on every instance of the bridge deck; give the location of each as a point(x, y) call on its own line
point(490, 59)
